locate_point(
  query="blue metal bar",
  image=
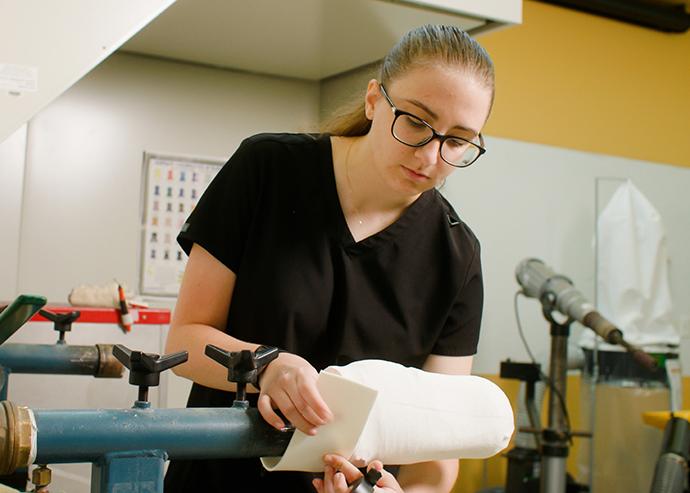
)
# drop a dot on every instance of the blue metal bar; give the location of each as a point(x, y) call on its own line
point(55, 359)
point(66, 436)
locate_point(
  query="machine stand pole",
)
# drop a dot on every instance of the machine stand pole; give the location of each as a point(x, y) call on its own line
point(555, 439)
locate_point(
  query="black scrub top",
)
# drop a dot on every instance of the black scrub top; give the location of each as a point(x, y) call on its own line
point(272, 216)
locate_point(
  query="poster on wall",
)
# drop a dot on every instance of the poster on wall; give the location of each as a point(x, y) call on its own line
point(172, 187)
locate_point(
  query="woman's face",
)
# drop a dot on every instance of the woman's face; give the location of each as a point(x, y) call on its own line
point(450, 100)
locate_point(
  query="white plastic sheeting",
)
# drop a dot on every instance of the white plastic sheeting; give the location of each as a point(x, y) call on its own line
point(633, 272)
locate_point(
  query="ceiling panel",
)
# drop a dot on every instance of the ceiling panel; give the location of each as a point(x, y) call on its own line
point(308, 39)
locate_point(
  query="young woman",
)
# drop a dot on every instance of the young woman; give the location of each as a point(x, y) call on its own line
point(339, 247)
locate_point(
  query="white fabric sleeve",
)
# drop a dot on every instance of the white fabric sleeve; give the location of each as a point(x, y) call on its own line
point(420, 416)
point(416, 416)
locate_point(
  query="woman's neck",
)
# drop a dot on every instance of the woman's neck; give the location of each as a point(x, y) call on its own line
point(365, 187)
point(368, 204)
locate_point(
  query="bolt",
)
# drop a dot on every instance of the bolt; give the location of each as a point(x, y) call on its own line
point(41, 476)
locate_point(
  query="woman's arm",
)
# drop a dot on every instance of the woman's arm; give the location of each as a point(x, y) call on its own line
point(200, 317)
point(435, 476)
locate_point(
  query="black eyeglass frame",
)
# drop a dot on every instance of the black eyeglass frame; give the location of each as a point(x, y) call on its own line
point(397, 112)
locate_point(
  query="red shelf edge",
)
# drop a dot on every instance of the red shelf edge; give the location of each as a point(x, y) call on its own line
point(94, 315)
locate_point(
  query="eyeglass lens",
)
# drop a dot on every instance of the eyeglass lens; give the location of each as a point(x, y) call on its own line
point(413, 131)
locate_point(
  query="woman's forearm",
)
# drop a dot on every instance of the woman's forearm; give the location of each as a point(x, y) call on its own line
point(429, 477)
point(199, 368)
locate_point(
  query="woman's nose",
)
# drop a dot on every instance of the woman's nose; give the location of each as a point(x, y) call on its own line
point(429, 153)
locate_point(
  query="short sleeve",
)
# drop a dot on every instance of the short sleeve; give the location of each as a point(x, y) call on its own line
point(222, 218)
point(460, 335)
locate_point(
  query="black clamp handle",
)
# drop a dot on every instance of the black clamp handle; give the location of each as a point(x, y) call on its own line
point(243, 366)
point(145, 368)
point(366, 483)
point(62, 322)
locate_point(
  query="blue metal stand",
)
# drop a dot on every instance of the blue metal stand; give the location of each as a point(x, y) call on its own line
point(128, 447)
point(131, 472)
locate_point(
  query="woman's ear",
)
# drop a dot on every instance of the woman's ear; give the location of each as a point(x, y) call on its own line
point(373, 94)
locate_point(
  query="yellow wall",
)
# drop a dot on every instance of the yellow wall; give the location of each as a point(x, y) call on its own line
point(579, 81)
point(478, 474)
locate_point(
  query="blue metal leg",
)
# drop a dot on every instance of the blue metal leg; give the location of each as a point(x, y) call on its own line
point(4, 382)
point(129, 472)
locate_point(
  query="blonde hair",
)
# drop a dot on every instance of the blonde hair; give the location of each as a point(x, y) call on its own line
point(427, 44)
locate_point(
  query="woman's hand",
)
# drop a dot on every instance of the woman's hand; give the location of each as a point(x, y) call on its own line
point(289, 383)
point(339, 473)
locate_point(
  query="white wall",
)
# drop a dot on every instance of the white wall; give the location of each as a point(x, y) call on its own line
point(78, 220)
point(12, 157)
point(342, 89)
point(45, 54)
point(528, 200)
point(81, 212)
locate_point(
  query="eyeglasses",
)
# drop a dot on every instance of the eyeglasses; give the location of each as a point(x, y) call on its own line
point(412, 131)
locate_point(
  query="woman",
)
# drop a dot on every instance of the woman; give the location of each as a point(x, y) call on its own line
point(337, 248)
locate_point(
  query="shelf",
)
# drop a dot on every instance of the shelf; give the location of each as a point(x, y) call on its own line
point(92, 315)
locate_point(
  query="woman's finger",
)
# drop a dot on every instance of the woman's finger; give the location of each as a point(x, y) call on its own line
point(339, 483)
point(318, 485)
point(328, 473)
point(302, 407)
point(283, 401)
point(267, 412)
point(339, 463)
point(313, 400)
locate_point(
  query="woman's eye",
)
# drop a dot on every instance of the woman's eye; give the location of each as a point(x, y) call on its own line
point(455, 144)
point(414, 122)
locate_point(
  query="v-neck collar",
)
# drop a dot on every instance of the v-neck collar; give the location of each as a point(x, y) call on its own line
point(339, 224)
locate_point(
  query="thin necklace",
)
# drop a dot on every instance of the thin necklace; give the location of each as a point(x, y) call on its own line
point(360, 221)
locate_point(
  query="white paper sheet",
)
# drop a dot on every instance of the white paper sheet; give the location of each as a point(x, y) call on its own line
point(350, 402)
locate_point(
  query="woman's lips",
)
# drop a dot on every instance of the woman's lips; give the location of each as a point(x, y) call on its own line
point(414, 175)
